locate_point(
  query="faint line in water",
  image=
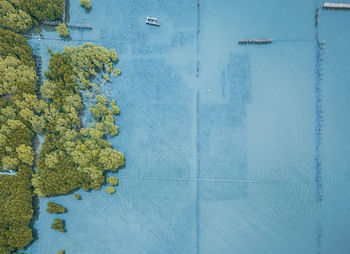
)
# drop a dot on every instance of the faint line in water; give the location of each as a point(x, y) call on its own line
point(197, 35)
point(293, 40)
point(189, 179)
point(198, 167)
point(319, 119)
point(198, 24)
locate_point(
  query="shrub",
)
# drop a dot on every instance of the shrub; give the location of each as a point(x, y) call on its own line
point(112, 180)
point(77, 196)
point(86, 4)
point(58, 225)
point(62, 30)
point(110, 190)
point(55, 208)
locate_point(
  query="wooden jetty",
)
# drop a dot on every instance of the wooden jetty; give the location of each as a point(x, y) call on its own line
point(152, 21)
point(255, 41)
point(64, 11)
point(341, 6)
point(56, 23)
point(51, 23)
point(85, 26)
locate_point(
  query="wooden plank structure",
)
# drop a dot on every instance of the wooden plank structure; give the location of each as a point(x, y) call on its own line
point(64, 11)
point(51, 23)
point(255, 41)
point(152, 21)
point(341, 6)
point(86, 26)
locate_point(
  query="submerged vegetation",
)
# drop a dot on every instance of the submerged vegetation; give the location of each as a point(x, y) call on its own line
point(72, 156)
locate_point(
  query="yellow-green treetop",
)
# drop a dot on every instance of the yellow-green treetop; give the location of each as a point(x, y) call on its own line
point(16, 78)
point(86, 4)
point(110, 190)
point(14, 19)
point(89, 59)
point(53, 207)
point(25, 154)
point(62, 30)
point(112, 180)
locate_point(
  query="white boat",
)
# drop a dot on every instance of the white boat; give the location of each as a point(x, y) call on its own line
point(152, 21)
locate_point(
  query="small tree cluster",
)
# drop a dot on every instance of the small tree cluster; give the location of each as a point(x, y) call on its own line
point(112, 180)
point(55, 208)
point(62, 30)
point(86, 4)
point(77, 196)
point(110, 190)
point(58, 225)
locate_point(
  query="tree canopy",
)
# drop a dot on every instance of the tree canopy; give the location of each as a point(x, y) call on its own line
point(62, 30)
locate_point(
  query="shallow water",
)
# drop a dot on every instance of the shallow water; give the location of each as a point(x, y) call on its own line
point(220, 140)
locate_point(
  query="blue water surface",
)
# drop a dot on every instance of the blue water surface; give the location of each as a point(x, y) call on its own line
point(221, 141)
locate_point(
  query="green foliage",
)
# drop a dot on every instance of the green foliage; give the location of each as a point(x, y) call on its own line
point(20, 115)
point(16, 78)
point(13, 18)
point(112, 180)
point(88, 60)
point(15, 210)
point(61, 252)
point(58, 225)
point(20, 15)
point(55, 208)
point(77, 196)
point(110, 190)
point(103, 112)
point(38, 124)
point(62, 30)
point(15, 45)
point(47, 89)
point(73, 157)
point(25, 154)
point(41, 9)
point(86, 4)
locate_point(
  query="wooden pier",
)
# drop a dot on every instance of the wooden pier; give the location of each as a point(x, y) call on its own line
point(341, 6)
point(85, 26)
point(64, 11)
point(51, 23)
point(255, 41)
